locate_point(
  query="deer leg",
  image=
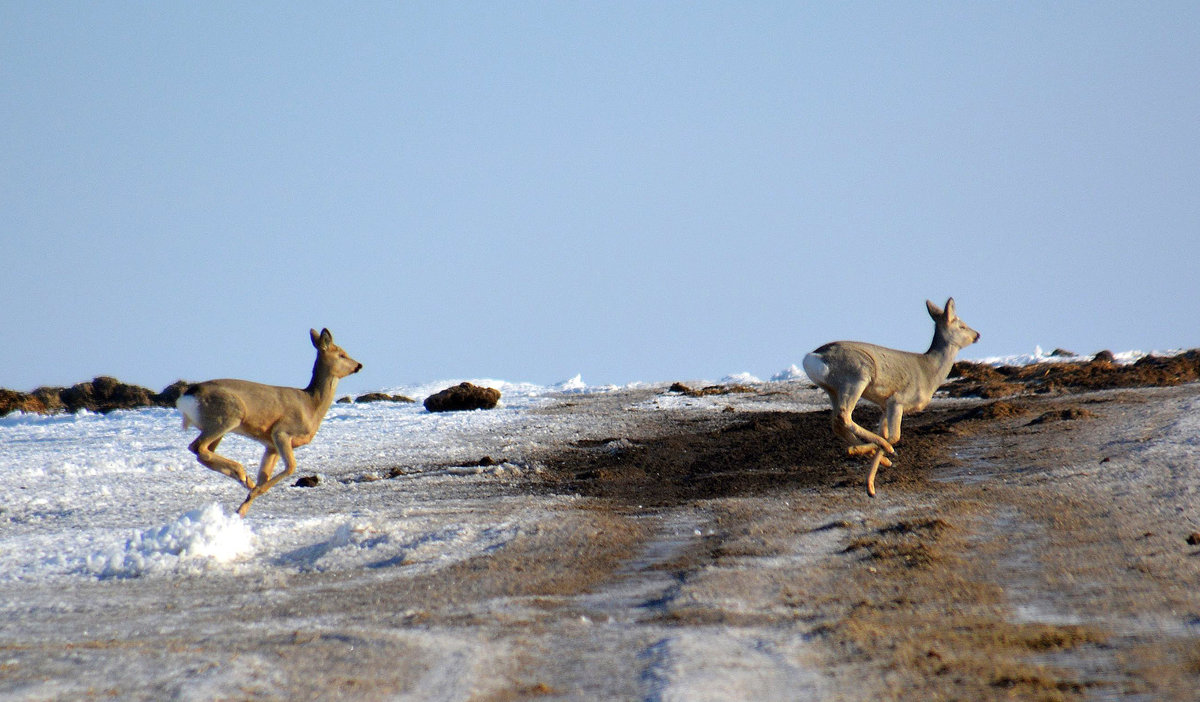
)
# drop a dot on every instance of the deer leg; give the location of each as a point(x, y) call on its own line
point(204, 446)
point(843, 420)
point(873, 449)
point(270, 456)
point(282, 445)
point(879, 458)
point(893, 414)
point(889, 426)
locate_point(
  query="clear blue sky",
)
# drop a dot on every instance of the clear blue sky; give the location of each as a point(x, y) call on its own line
point(631, 191)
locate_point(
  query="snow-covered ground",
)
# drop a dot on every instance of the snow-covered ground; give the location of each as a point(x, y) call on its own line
point(117, 499)
point(118, 495)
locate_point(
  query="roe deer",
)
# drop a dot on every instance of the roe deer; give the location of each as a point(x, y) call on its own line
point(276, 417)
point(895, 380)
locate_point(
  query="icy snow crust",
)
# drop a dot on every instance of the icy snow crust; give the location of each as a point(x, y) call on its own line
point(86, 494)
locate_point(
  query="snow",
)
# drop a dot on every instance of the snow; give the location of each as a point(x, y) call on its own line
point(116, 500)
point(197, 538)
point(740, 379)
point(119, 496)
point(1040, 356)
point(792, 372)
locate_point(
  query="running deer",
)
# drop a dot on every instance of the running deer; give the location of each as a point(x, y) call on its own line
point(279, 418)
point(897, 381)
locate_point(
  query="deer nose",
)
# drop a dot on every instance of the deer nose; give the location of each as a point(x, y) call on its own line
point(357, 369)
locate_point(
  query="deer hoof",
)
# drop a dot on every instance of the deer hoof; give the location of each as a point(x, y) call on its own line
point(241, 511)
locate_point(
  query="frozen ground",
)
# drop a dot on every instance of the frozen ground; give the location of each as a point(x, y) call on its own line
point(118, 551)
point(411, 571)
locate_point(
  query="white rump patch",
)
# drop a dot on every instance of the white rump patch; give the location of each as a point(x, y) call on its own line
point(816, 368)
point(190, 408)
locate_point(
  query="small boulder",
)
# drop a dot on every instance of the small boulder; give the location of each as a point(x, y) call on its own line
point(463, 396)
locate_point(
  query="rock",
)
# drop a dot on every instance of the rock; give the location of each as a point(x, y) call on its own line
point(1104, 356)
point(1193, 539)
point(308, 481)
point(1063, 353)
point(381, 397)
point(463, 396)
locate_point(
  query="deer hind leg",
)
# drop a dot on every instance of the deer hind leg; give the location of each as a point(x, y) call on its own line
point(844, 426)
point(281, 445)
point(204, 446)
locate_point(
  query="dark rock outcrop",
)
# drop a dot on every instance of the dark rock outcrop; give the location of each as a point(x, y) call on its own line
point(102, 395)
point(105, 394)
point(463, 396)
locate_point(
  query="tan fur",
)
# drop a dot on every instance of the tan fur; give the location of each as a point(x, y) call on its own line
point(897, 381)
point(280, 418)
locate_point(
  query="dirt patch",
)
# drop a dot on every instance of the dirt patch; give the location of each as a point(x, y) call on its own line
point(711, 390)
point(997, 410)
point(1063, 415)
point(741, 455)
point(916, 610)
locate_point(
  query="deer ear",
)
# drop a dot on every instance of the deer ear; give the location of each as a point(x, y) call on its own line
point(326, 339)
point(316, 338)
point(934, 310)
point(950, 309)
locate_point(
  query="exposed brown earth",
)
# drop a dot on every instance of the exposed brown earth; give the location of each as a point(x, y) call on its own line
point(981, 380)
point(917, 600)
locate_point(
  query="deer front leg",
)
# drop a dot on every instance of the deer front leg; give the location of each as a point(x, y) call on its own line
point(874, 449)
point(270, 456)
point(889, 426)
point(893, 415)
point(281, 445)
point(879, 458)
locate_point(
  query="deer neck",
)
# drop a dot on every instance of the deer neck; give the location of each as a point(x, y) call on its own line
point(322, 386)
point(941, 354)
